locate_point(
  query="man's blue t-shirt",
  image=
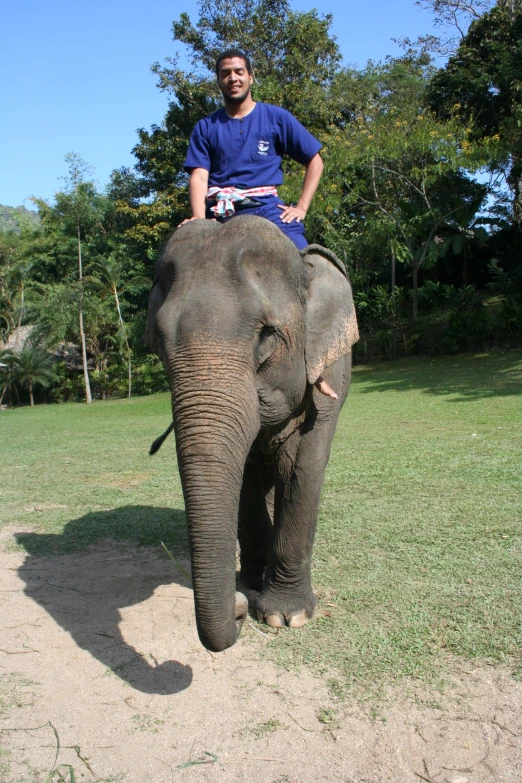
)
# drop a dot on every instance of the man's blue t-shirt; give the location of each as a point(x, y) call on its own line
point(247, 152)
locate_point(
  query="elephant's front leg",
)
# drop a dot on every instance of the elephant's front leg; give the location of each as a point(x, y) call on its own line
point(287, 596)
point(255, 521)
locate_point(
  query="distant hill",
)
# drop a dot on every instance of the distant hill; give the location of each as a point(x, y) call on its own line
point(13, 218)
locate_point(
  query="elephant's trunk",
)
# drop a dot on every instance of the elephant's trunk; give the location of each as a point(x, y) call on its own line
point(216, 421)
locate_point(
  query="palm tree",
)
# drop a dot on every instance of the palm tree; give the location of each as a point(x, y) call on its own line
point(32, 366)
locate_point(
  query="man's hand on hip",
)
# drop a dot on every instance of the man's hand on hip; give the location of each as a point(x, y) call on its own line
point(289, 214)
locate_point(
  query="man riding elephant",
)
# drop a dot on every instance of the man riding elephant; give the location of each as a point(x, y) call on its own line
point(247, 318)
point(235, 155)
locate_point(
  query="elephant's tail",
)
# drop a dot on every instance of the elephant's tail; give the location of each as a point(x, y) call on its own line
point(159, 441)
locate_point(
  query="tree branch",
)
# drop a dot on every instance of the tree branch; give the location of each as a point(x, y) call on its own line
point(404, 177)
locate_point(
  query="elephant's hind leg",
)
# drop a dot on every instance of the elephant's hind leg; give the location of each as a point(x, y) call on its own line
point(255, 520)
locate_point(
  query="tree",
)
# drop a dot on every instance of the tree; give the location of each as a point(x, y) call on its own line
point(74, 220)
point(7, 293)
point(453, 18)
point(418, 201)
point(33, 366)
point(397, 170)
point(464, 233)
point(77, 205)
point(17, 271)
point(23, 275)
point(108, 276)
point(482, 82)
point(56, 253)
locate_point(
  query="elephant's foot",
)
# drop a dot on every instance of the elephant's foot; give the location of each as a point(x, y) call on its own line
point(240, 610)
point(251, 578)
point(278, 610)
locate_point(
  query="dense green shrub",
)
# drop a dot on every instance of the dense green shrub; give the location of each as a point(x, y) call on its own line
point(150, 377)
point(469, 323)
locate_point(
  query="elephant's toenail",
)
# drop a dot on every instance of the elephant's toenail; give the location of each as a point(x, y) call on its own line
point(297, 620)
point(275, 621)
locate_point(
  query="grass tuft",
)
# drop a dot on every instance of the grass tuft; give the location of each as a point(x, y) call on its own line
point(262, 730)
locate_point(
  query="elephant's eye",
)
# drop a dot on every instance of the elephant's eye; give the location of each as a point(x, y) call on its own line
point(266, 344)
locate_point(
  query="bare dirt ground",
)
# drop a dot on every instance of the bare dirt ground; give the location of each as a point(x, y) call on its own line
point(101, 671)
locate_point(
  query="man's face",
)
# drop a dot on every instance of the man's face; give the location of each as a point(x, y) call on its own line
point(234, 80)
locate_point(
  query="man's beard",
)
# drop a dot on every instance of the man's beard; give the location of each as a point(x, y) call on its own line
point(234, 99)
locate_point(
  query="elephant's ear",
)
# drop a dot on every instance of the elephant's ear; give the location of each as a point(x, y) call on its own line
point(156, 299)
point(331, 324)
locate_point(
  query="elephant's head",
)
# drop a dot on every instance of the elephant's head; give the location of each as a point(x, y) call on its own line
point(244, 325)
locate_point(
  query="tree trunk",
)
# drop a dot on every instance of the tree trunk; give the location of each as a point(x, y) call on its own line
point(415, 270)
point(465, 273)
point(21, 307)
point(88, 397)
point(30, 388)
point(122, 327)
point(393, 274)
point(517, 184)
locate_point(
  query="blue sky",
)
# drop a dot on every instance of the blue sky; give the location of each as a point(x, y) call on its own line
point(75, 77)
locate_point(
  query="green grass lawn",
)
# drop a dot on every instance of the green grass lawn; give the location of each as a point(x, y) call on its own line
point(418, 556)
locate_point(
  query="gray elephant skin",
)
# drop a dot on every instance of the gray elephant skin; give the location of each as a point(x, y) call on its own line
point(245, 324)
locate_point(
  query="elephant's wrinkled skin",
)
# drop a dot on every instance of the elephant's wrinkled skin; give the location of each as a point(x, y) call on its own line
point(245, 325)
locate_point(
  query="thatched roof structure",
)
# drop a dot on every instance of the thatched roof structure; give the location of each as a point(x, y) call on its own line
point(69, 353)
point(17, 339)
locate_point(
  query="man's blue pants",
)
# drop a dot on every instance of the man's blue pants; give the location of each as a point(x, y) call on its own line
point(269, 210)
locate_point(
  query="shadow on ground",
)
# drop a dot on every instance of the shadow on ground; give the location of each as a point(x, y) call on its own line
point(461, 377)
point(85, 591)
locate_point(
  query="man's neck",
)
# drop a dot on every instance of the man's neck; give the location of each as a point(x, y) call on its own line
point(239, 110)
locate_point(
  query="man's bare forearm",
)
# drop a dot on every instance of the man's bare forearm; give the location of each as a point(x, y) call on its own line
point(314, 169)
point(198, 187)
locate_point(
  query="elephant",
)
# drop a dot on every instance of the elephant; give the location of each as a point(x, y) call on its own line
point(245, 324)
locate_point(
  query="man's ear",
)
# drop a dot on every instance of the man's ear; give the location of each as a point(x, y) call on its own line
point(331, 323)
point(156, 299)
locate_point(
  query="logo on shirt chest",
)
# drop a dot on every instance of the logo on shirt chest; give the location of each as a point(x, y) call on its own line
point(263, 147)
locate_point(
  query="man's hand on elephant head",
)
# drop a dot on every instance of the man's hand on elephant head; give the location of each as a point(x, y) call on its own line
point(188, 220)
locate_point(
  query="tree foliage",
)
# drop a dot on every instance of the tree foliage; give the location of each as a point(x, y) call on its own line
point(399, 201)
point(452, 19)
point(33, 366)
point(483, 81)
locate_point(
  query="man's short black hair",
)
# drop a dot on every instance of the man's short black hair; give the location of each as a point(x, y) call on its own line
point(229, 54)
